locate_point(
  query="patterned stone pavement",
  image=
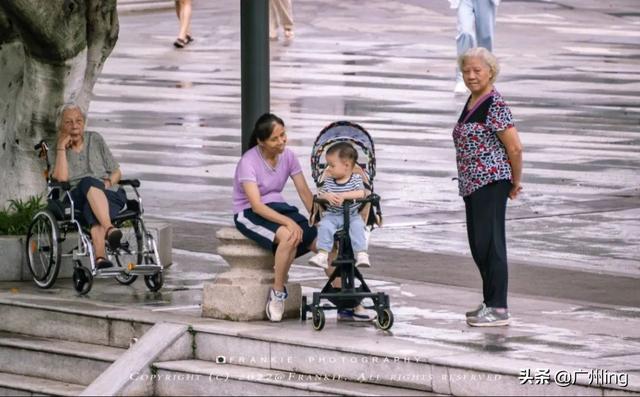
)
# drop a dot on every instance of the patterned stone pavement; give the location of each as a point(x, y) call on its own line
point(569, 72)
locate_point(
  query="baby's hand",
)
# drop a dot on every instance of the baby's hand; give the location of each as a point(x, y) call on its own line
point(332, 198)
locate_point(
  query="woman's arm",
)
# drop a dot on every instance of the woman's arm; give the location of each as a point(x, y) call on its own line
point(511, 141)
point(113, 178)
point(303, 190)
point(61, 167)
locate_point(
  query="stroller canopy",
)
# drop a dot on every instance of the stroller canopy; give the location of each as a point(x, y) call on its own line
point(343, 131)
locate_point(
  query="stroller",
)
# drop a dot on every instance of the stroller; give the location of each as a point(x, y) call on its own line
point(349, 295)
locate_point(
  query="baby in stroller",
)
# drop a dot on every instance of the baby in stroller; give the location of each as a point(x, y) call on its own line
point(341, 183)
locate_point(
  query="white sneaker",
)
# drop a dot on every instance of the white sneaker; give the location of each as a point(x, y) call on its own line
point(275, 304)
point(460, 88)
point(362, 259)
point(321, 259)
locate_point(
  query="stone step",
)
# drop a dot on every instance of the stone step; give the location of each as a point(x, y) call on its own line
point(72, 320)
point(344, 351)
point(21, 385)
point(54, 359)
point(197, 377)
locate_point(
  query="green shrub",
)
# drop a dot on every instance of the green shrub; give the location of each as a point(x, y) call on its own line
point(16, 218)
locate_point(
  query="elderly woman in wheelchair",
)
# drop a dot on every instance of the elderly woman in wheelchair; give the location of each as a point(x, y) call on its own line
point(85, 161)
point(85, 193)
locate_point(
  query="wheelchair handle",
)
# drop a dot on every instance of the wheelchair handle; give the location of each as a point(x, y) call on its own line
point(40, 145)
point(130, 182)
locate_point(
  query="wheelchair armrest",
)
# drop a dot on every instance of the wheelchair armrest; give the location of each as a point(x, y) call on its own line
point(130, 182)
point(65, 186)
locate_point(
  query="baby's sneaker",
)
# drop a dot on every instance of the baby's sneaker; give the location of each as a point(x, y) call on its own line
point(362, 259)
point(320, 259)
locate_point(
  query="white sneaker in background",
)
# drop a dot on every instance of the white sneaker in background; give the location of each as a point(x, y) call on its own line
point(460, 88)
point(362, 259)
point(321, 259)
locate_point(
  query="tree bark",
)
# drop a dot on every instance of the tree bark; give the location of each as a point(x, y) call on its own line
point(51, 52)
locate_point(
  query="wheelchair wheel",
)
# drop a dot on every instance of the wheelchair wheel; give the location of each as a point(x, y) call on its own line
point(131, 251)
point(82, 280)
point(154, 282)
point(385, 319)
point(303, 309)
point(317, 316)
point(43, 250)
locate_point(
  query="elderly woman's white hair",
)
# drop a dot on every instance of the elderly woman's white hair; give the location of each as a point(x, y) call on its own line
point(63, 108)
point(487, 57)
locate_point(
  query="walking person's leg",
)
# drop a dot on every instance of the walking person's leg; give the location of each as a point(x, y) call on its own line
point(465, 37)
point(273, 20)
point(485, 11)
point(183, 10)
point(285, 14)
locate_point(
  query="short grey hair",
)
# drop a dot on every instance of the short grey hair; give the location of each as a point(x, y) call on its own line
point(63, 108)
point(487, 57)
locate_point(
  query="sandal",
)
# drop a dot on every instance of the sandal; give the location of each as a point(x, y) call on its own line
point(189, 39)
point(103, 263)
point(179, 43)
point(113, 237)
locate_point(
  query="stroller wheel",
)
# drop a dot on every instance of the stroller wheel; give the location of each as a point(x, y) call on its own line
point(318, 318)
point(82, 280)
point(385, 319)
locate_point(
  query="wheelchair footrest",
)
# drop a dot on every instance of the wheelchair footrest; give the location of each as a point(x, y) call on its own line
point(145, 270)
point(110, 272)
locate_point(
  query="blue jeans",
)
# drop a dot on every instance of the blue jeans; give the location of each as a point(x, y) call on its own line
point(331, 222)
point(476, 26)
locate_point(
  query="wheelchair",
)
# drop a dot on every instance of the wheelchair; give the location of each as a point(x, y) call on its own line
point(54, 225)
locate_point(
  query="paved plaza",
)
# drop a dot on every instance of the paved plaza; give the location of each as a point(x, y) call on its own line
point(569, 71)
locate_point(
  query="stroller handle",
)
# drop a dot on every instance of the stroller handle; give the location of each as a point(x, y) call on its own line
point(372, 198)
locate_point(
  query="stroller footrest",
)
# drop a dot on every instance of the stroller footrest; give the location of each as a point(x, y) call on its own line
point(342, 262)
point(343, 294)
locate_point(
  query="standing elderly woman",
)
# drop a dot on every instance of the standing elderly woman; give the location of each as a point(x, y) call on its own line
point(83, 159)
point(489, 160)
point(261, 213)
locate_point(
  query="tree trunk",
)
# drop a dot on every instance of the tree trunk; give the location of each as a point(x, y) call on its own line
point(51, 52)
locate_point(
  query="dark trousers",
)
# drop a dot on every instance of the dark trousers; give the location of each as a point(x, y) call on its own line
point(116, 200)
point(486, 209)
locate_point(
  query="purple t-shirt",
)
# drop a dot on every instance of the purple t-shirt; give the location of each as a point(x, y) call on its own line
point(253, 168)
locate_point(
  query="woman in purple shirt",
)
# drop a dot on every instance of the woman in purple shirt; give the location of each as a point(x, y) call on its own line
point(261, 212)
point(489, 160)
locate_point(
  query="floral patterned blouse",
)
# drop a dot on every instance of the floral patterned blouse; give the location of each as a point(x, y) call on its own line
point(480, 155)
